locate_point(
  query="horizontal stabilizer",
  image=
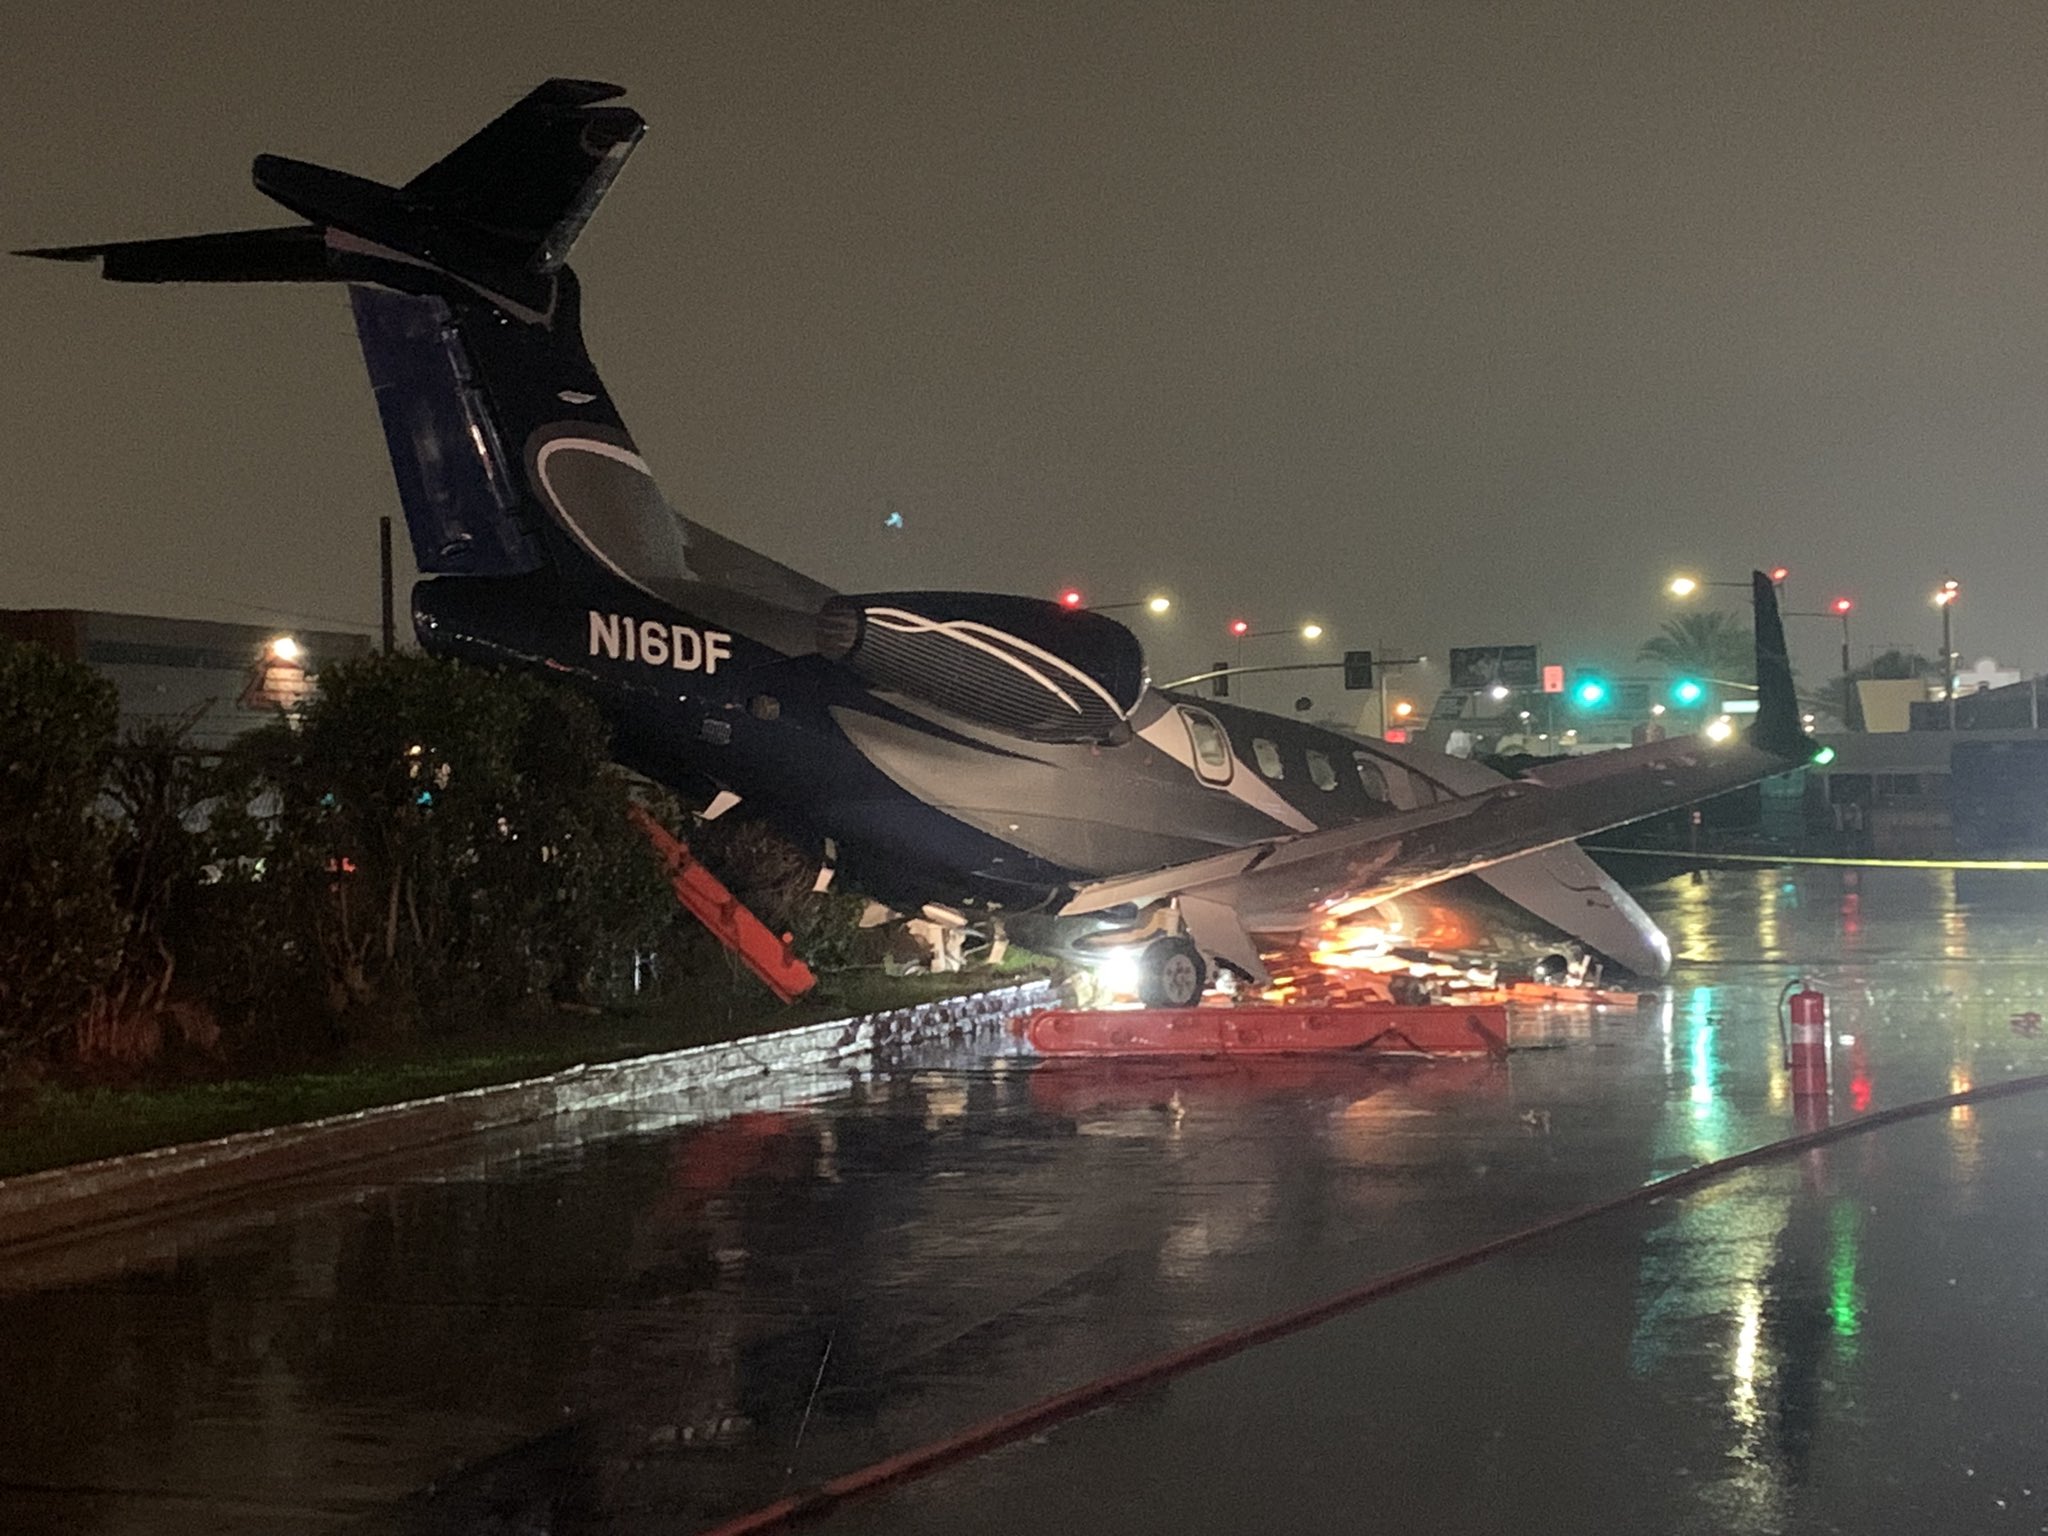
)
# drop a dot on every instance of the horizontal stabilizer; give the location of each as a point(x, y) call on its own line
point(294, 254)
point(372, 212)
point(534, 174)
point(499, 212)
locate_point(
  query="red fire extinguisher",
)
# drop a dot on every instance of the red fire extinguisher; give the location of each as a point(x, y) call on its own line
point(1806, 1038)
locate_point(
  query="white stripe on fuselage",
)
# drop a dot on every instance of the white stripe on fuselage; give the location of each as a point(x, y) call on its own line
point(1168, 733)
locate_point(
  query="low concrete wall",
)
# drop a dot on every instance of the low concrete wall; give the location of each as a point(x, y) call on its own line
point(760, 1071)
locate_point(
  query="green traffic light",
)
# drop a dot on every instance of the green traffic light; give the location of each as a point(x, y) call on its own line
point(1688, 691)
point(1591, 693)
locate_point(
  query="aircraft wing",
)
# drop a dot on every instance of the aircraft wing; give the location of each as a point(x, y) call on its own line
point(1222, 895)
point(1389, 856)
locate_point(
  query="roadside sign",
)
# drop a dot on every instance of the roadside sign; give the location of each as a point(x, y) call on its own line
point(1475, 667)
point(1553, 679)
point(1357, 670)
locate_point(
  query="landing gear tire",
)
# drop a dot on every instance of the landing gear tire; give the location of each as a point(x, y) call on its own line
point(1410, 991)
point(1171, 974)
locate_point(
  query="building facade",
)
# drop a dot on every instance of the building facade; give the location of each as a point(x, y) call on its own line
point(217, 680)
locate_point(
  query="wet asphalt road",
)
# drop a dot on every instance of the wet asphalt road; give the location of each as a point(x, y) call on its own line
point(649, 1329)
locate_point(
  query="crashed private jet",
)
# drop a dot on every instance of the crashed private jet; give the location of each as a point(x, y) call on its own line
point(984, 751)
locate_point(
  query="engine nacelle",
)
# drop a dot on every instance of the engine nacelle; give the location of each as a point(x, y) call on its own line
point(1021, 665)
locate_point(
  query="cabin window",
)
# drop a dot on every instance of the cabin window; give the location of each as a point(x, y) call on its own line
point(1212, 747)
point(1370, 779)
point(1320, 773)
point(1269, 758)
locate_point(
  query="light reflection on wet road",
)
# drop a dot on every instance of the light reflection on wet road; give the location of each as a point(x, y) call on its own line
point(648, 1330)
point(1832, 1345)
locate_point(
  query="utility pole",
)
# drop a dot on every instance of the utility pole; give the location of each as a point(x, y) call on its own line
point(384, 563)
point(1945, 600)
point(1849, 700)
point(1851, 712)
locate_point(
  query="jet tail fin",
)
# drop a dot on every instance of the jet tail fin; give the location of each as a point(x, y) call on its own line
point(509, 455)
point(1778, 729)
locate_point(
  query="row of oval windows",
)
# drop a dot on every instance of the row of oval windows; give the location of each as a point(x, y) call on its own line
point(1321, 771)
point(1212, 758)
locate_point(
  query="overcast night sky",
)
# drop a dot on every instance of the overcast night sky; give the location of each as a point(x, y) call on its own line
point(1439, 322)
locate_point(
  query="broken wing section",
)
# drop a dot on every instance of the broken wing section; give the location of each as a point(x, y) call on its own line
point(1567, 890)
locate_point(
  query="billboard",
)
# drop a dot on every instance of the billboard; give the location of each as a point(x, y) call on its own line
point(1481, 666)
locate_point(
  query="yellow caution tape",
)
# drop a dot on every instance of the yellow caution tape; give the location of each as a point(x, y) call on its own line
point(1867, 863)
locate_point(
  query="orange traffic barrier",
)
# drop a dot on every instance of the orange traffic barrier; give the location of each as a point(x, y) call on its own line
point(1074, 1087)
point(1430, 1029)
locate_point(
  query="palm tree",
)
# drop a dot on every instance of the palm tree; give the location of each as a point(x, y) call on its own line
point(1708, 645)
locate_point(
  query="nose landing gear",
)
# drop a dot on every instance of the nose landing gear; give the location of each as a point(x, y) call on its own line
point(1171, 973)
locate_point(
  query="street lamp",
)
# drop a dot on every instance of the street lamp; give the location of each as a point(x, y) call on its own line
point(1945, 599)
point(1073, 598)
point(1241, 630)
point(284, 648)
point(1840, 608)
point(1685, 586)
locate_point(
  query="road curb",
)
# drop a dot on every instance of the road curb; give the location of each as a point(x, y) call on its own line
point(61, 1203)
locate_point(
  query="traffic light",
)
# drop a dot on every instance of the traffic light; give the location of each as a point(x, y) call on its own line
point(1590, 692)
point(1219, 681)
point(1688, 691)
point(1357, 670)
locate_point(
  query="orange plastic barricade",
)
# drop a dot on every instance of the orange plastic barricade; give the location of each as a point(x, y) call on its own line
point(1431, 1029)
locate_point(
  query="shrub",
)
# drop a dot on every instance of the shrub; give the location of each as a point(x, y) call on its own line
point(60, 928)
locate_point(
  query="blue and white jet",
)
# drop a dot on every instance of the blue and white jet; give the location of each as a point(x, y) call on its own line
point(975, 750)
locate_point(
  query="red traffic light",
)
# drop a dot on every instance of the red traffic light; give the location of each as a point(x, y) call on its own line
point(1842, 605)
point(1778, 575)
point(1071, 598)
point(1240, 627)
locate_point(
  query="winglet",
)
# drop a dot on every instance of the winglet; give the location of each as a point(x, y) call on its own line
point(1778, 729)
